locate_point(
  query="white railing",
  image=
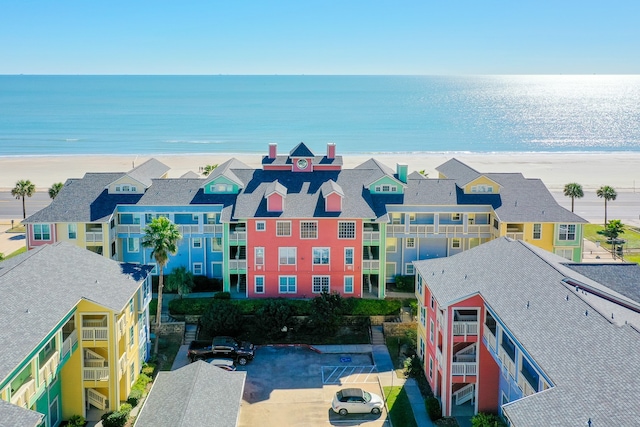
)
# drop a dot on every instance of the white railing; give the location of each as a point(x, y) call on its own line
point(524, 385)
point(95, 374)
point(142, 336)
point(95, 334)
point(395, 229)
point(93, 236)
point(237, 264)
point(122, 365)
point(422, 229)
point(48, 370)
point(491, 339)
point(96, 399)
point(478, 229)
point(465, 394)
point(68, 344)
point(465, 328)
point(24, 394)
point(129, 229)
point(450, 229)
point(213, 228)
point(507, 362)
point(237, 236)
point(463, 368)
point(440, 319)
point(188, 229)
point(438, 357)
point(466, 358)
point(371, 264)
point(515, 236)
point(122, 326)
point(371, 236)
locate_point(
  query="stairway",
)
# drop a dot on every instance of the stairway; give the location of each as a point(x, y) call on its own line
point(190, 333)
point(377, 336)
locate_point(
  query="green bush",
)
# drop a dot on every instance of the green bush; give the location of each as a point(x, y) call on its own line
point(207, 284)
point(326, 313)
point(222, 295)
point(487, 420)
point(153, 307)
point(76, 421)
point(115, 419)
point(189, 305)
point(222, 317)
point(141, 383)
point(274, 318)
point(371, 307)
point(149, 369)
point(405, 283)
point(134, 397)
point(126, 407)
point(433, 408)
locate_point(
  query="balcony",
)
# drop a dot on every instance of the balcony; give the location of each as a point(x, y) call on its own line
point(465, 328)
point(490, 337)
point(393, 230)
point(450, 229)
point(95, 330)
point(439, 356)
point(213, 228)
point(422, 230)
point(93, 237)
point(24, 394)
point(122, 365)
point(515, 236)
point(440, 319)
point(507, 361)
point(49, 368)
point(95, 374)
point(238, 236)
point(479, 229)
point(370, 237)
point(129, 229)
point(525, 385)
point(238, 264)
point(464, 368)
point(371, 264)
point(188, 229)
point(67, 344)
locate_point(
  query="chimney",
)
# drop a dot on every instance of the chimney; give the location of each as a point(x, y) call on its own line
point(273, 150)
point(331, 150)
point(401, 170)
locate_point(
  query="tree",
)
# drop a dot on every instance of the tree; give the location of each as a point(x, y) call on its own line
point(180, 280)
point(208, 169)
point(614, 228)
point(573, 190)
point(221, 318)
point(1, 256)
point(423, 173)
point(607, 193)
point(161, 236)
point(326, 310)
point(275, 318)
point(55, 189)
point(23, 188)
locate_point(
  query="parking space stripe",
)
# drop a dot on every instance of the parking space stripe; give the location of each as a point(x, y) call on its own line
point(349, 374)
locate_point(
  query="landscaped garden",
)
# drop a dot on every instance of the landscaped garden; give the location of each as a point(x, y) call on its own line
point(631, 236)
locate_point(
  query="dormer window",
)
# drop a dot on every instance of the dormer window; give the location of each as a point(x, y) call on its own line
point(125, 189)
point(221, 188)
point(482, 189)
point(386, 188)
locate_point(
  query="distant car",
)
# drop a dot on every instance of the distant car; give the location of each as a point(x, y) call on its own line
point(226, 364)
point(356, 401)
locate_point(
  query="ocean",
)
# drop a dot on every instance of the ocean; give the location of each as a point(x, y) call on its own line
point(76, 115)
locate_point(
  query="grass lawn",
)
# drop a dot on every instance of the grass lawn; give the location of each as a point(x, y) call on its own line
point(167, 350)
point(394, 351)
point(631, 235)
point(400, 410)
point(17, 229)
point(15, 253)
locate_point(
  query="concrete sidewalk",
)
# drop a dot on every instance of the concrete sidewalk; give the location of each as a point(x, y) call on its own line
point(10, 242)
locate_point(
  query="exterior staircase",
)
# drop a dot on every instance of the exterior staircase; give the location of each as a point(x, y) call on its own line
point(190, 333)
point(377, 336)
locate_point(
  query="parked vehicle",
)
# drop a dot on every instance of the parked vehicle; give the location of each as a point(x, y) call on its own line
point(226, 364)
point(225, 347)
point(356, 401)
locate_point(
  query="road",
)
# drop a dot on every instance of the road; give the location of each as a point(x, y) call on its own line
point(10, 208)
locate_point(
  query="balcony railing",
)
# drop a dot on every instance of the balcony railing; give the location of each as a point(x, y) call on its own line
point(439, 318)
point(422, 229)
point(237, 264)
point(68, 344)
point(490, 337)
point(237, 236)
point(508, 363)
point(479, 229)
point(450, 229)
point(96, 399)
point(465, 328)
point(188, 229)
point(129, 229)
point(122, 365)
point(392, 230)
point(371, 264)
point(122, 326)
point(24, 394)
point(524, 385)
point(515, 236)
point(48, 370)
point(95, 334)
point(213, 228)
point(94, 236)
point(464, 368)
point(95, 374)
point(438, 357)
point(369, 236)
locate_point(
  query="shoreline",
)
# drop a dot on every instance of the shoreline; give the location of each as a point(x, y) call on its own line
point(590, 169)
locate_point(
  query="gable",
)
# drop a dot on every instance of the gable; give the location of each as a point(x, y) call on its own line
point(386, 185)
point(221, 185)
point(126, 185)
point(482, 185)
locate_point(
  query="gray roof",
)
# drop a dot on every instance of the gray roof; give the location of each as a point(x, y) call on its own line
point(331, 186)
point(42, 286)
point(275, 187)
point(589, 359)
point(148, 170)
point(461, 172)
point(15, 416)
point(190, 174)
point(622, 278)
point(301, 150)
point(198, 394)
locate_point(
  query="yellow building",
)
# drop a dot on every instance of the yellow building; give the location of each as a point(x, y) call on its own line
point(75, 334)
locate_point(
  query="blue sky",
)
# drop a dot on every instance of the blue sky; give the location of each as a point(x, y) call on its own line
point(319, 37)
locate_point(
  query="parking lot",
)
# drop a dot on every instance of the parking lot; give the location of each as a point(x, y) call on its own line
point(294, 386)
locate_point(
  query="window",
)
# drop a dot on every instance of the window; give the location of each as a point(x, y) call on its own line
point(258, 284)
point(72, 231)
point(131, 306)
point(259, 252)
point(412, 217)
point(395, 219)
point(283, 228)
point(385, 188)
point(567, 232)
point(287, 284)
point(419, 284)
point(41, 232)
point(423, 316)
point(348, 284)
point(320, 256)
point(132, 373)
point(197, 268)
point(320, 284)
point(433, 302)
point(261, 226)
point(537, 231)
point(408, 269)
point(421, 347)
point(216, 244)
point(131, 337)
point(482, 189)
point(456, 243)
point(196, 242)
point(430, 367)
point(287, 255)
point(565, 253)
point(308, 230)
point(392, 244)
point(346, 230)
point(221, 188)
point(410, 242)
point(348, 256)
point(54, 412)
point(431, 331)
point(456, 217)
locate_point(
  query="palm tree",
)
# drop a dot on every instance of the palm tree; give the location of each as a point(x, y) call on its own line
point(23, 188)
point(607, 193)
point(162, 236)
point(55, 189)
point(180, 280)
point(208, 169)
point(573, 190)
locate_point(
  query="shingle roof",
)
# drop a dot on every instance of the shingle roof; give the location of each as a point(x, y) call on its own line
point(455, 169)
point(42, 286)
point(148, 170)
point(622, 278)
point(301, 150)
point(14, 416)
point(589, 359)
point(331, 187)
point(198, 394)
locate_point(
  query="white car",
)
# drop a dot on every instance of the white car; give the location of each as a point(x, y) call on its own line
point(356, 400)
point(226, 364)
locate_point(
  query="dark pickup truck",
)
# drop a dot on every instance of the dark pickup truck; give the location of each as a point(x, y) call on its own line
point(229, 347)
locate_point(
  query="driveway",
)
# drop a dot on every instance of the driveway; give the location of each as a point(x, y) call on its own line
point(289, 386)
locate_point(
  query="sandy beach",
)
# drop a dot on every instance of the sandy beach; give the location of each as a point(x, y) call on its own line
point(619, 170)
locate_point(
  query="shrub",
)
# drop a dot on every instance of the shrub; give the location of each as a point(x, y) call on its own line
point(487, 420)
point(141, 383)
point(149, 369)
point(134, 397)
point(273, 317)
point(405, 283)
point(76, 421)
point(206, 284)
point(325, 313)
point(222, 317)
point(371, 307)
point(222, 295)
point(126, 407)
point(189, 305)
point(115, 419)
point(433, 408)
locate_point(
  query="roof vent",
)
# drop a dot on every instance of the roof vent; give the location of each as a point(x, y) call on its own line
point(527, 304)
point(27, 311)
point(516, 204)
point(465, 276)
point(567, 297)
point(586, 312)
point(443, 271)
point(612, 315)
point(96, 281)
